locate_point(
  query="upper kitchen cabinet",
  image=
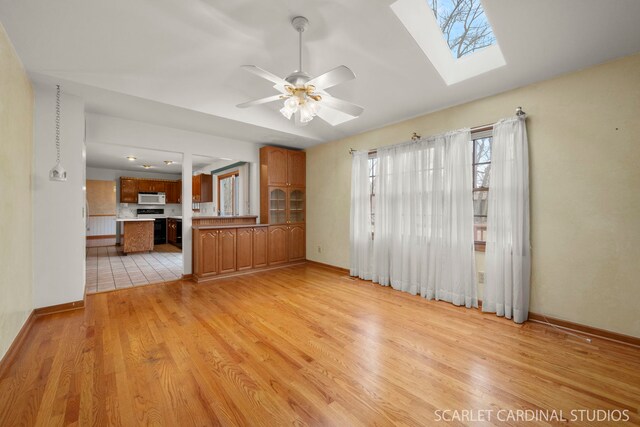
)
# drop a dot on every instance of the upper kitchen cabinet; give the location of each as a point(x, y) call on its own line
point(282, 168)
point(202, 188)
point(150, 186)
point(296, 168)
point(128, 190)
point(173, 191)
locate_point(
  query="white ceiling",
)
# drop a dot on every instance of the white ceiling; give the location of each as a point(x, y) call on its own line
point(178, 62)
point(110, 156)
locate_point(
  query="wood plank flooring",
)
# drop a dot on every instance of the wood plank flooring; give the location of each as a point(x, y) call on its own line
point(302, 345)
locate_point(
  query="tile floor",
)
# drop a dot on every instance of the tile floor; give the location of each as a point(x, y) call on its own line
point(109, 269)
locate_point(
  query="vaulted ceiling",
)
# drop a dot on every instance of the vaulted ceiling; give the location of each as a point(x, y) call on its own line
point(178, 62)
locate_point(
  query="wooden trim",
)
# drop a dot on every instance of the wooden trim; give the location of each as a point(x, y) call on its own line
point(16, 345)
point(75, 305)
point(114, 215)
point(104, 236)
point(480, 246)
point(187, 277)
point(332, 267)
point(584, 329)
point(243, 272)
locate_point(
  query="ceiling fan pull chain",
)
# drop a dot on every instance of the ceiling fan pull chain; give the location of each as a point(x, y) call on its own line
point(300, 47)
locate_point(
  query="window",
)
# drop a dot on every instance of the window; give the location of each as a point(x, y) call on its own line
point(228, 193)
point(463, 24)
point(373, 170)
point(481, 176)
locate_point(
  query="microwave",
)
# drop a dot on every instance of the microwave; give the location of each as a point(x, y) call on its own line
point(146, 198)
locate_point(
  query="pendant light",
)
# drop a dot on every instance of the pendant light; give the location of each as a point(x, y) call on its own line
point(57, 173)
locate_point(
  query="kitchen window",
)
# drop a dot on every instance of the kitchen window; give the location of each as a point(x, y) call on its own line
point(228, 199)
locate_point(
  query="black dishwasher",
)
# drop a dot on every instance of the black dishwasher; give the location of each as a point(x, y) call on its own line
point(160, 231)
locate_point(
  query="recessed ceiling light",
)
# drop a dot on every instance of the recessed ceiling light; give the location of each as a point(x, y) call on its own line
point(131, 158)
point(169, 162)
point(147, 166)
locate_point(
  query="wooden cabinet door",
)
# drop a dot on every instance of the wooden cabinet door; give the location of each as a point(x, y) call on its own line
point(208, 257)
point(227, 250)
point(277, 205)
point(297, 244)
point(296, 206)
point(206, 188)
point(179, 191)
point(296, 168)
point(260, 247)
point(128, 190)
point(276, 166)
point(244, 248)
point(278, 242)
point(171, 194)
point(145, 186)
point(159, 186)
point(195, 188)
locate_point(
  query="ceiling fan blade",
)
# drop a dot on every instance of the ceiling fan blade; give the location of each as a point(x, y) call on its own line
point(333, 117)
point(341, 105)
point(265, 75)
point(332, 77)
point(260, 101)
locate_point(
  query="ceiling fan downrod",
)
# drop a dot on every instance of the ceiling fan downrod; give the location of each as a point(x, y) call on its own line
point(300, 23)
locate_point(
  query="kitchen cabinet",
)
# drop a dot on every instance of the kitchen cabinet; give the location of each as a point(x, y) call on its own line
point(202, 188)
point(286, 243)
point(260, 247)
point(151, 186)
point(283, 203)
point(172, 231)
point(224, 250)
point(173, 191)
point(128, 190)
point(244, 249)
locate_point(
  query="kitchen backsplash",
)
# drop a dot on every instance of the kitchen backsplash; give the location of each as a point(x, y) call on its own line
point(129, 210)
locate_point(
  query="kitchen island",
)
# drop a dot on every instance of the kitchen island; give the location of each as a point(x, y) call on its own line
point(137, 234)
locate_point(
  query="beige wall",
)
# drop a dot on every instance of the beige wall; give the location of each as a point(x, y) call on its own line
point(16, 124)
point(584, 136)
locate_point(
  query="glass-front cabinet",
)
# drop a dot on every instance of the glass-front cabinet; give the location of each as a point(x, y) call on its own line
point(277, 205)
point(286, 205)
point(296, 205)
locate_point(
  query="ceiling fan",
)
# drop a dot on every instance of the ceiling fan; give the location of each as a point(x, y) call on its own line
point(305, 97)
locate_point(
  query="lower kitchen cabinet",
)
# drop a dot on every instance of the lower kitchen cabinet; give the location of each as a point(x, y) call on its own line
point(227, 250)
point(244, 249)
point(206, 262)
point(297, 243)
point(224, 250)
point(260, 247)
point(278, 244)
point(286, 243)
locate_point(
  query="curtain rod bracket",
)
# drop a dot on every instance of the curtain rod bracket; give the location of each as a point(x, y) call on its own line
point(416, 137)
point(519, 112)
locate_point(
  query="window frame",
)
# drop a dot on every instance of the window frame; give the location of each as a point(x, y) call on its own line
point(235, 174)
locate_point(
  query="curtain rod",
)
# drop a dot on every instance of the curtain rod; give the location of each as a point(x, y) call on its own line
point(417, 137)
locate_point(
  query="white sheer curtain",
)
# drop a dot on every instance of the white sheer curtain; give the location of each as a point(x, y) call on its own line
point(360, 230)
point(508, 257)
point(423, 240)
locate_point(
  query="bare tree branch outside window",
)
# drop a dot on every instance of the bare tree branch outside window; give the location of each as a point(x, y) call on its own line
point(464, 25)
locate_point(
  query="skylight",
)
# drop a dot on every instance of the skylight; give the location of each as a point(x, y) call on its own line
point(463, 24)
point(457, 37)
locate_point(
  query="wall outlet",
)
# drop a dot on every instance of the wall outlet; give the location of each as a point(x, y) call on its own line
point(480, 276)
point(319, 249)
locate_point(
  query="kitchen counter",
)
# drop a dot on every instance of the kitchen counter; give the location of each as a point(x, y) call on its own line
point(134, 219)
point(215, 227)
point(224, 216)
point(174, 217)
point(137, 235)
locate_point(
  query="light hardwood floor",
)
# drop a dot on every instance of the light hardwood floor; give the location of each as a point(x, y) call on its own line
point(299, 345)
